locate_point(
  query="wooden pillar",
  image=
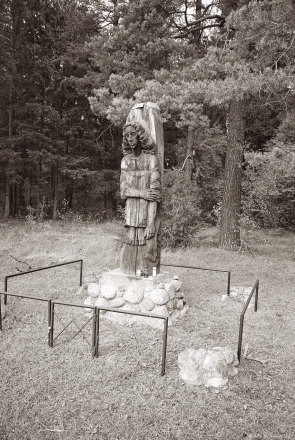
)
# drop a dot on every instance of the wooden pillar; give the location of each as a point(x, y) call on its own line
point(148, 115)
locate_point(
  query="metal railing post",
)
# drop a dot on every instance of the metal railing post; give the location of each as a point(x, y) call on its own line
point(97, 333)
point(5, 290)
point(256, 296)
point(0, 312)
point(94, 332)
point(228, 283)
point(254, 288)
point(240, 337)
point(51, 325)
point(81, 272)
point(164, 349)
point(49, 321)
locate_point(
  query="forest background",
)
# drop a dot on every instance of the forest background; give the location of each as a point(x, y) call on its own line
point(222, 73)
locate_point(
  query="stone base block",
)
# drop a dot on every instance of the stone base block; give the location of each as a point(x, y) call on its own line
point(118, 277)
point(157, 295)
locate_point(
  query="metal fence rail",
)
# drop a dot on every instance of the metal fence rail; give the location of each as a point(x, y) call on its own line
point(51, 323)
point(205, 268)
point(96, 321)
point(26, 297)
point(255, 288)
point(38, 270)
point(95, 326)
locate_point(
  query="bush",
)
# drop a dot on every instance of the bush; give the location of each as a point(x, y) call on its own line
point(181, 216)
point(269, 187)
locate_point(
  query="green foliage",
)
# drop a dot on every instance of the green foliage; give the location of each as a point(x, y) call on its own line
point(67, 215)
point(181, 216)
point(269, 189)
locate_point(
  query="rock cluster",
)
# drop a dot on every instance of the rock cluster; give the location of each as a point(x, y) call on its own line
point(160, 295)
point(211, 368)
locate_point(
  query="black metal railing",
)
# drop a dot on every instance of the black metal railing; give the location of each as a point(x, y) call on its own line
point(39, 269)
point(204, 268)
point(96, 322)
point(95, 326)
point(255, 288)
point(26, 297)
point(51, 323)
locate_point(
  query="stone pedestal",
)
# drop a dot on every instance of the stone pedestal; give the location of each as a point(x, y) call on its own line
point(159, 295)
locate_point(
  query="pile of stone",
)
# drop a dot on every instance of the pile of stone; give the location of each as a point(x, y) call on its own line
point(159, 295)
point(210, 368)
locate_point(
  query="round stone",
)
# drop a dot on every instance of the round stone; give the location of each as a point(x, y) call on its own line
point(179, 304)
point(93, 289)
point(121, 291)
point(159, 296)
point(102, 302)
point(146, 293)
point(233, 294)
point(216, 382)
point(183, 311)
point(169, 305)
point(170, 289)
point(89, 302)
point(176, 284)
point(127, 307)
point(134, 294)
point(147, 305)
point(135, 308)
point(109, 290)
point(117, 302)
point(161, 310)
point(174, 315)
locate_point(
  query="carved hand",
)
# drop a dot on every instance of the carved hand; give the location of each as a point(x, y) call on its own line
point(149, 194)
point(150, 231)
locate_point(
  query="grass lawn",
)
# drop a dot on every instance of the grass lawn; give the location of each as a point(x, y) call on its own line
point(62, 393)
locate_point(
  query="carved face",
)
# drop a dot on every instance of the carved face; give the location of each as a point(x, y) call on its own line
point(131, 137)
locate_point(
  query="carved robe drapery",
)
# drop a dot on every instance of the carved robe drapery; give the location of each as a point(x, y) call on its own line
point(137, 175)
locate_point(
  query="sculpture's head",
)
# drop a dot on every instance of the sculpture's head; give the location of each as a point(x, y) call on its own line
point(134, 134)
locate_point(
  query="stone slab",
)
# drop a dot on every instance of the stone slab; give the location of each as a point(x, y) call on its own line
point(120, 278)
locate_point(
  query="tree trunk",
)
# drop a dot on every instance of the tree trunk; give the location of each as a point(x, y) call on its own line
point(38, 180)
point(7, 190)
point(13, 199)
point(7, 198)
point(54, 191)
point(231, 201)
point(188, 164)
point(69, 192)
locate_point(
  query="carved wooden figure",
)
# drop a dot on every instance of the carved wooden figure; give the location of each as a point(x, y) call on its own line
point(141, 188)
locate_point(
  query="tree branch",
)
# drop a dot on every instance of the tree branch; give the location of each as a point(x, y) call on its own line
point(185, 34)
point(204, 18)
point(276, 62)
